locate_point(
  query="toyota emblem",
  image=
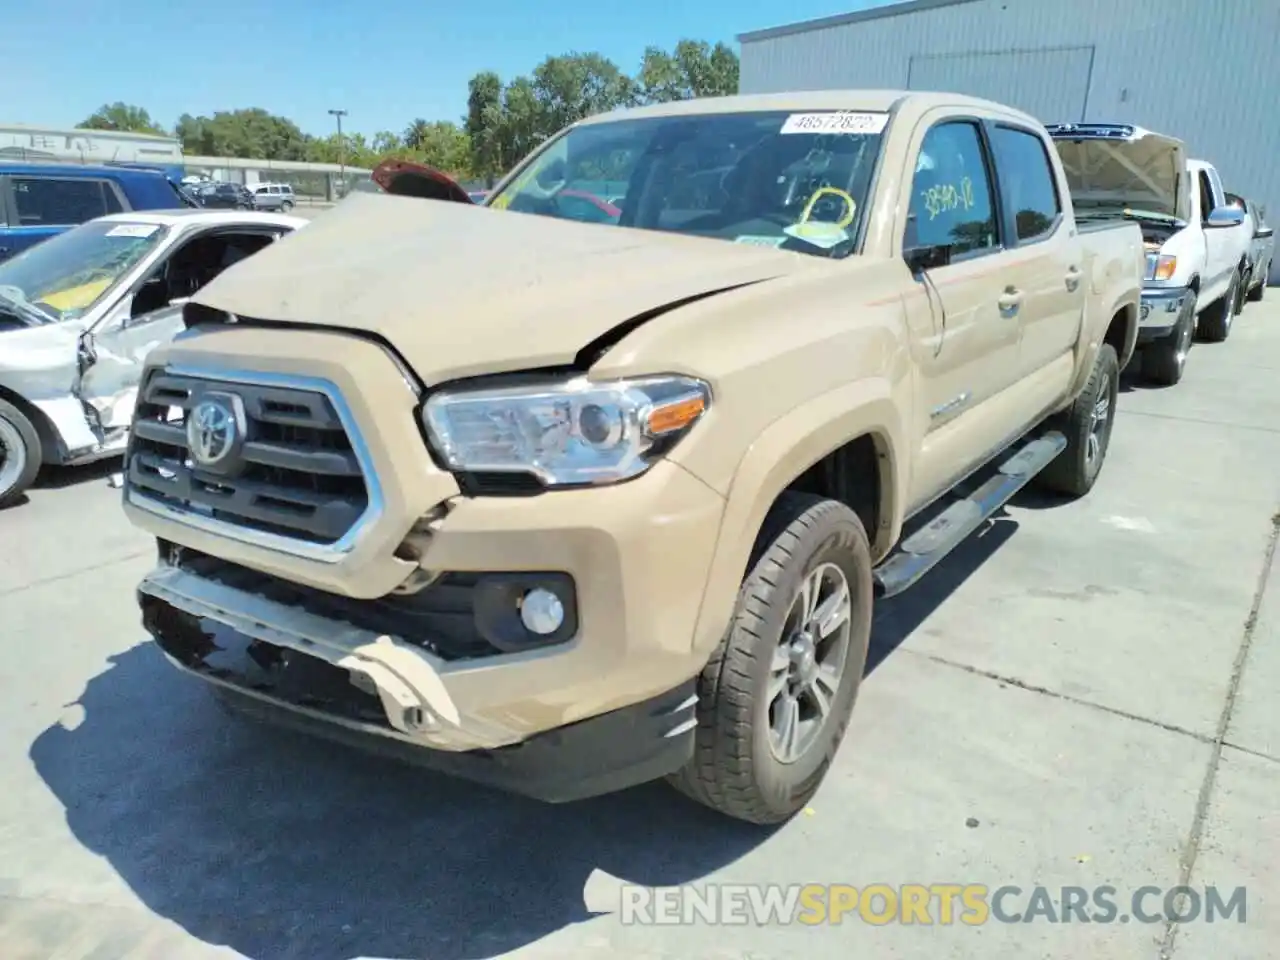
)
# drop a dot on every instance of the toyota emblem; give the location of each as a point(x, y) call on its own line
point(212, 432)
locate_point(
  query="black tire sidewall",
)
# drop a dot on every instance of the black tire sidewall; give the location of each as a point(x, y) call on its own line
point(1163, 355)
point(31, 440)
point(1107, 364)
point(839, 539)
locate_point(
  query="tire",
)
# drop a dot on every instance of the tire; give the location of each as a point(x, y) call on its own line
point(737, 768)
point(20, 453)
point(1242, 288)
point(1074, 471)
point(1256, 294)
point(287, 206)
point(1215, 323)
point(1164, 361)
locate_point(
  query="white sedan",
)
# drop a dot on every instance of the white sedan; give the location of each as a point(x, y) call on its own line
point(79, 313)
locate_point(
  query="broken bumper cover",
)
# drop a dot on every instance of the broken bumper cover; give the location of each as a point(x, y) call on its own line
point(351, 685)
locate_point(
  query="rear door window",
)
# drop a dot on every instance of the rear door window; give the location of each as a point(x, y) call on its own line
point(51, 201)
point(1026, 181)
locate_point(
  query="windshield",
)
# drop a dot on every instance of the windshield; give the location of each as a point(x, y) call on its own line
point(68, 274)
point(795, 181)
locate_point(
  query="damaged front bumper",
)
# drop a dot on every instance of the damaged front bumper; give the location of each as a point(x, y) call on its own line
point(353, 685)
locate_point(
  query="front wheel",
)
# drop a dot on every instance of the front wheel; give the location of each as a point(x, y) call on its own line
point(775, 698)
point(1087, 426)
point(1164, 361)
point(1215, 323)
point(19, 453)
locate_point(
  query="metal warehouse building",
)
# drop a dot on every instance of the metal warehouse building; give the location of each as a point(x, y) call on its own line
point(1206, 71)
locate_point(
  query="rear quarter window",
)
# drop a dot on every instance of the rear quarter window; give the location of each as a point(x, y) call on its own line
point(50, 201)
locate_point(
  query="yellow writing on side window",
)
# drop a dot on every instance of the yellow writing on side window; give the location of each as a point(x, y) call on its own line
point(946, 197)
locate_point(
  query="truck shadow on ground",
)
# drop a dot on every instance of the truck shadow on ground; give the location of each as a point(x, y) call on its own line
point(283, 847)
point(897, 618)
point(280, 846)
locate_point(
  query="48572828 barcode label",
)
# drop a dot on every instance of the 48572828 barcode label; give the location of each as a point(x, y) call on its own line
point(837, 122)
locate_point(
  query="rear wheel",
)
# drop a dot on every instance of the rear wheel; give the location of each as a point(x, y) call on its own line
point(287, 206)
point(1215, 323)
point(19, 453)
point(775, 698)
point(1260, 291)
point(1164, 361)
point(1087, 426)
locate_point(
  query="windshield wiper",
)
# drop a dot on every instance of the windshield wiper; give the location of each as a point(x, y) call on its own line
point(1132, 214)
point(23, 309)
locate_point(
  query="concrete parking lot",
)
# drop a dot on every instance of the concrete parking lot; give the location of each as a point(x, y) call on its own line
point(1083, 696)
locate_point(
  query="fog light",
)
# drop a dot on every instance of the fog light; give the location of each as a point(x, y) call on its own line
point(541, 612)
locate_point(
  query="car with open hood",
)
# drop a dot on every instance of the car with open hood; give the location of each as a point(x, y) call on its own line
point(1196, 241)
point(78, 313)
point(565, 502)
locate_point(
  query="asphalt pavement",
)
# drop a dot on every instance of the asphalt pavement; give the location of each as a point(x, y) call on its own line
point(1082, 696)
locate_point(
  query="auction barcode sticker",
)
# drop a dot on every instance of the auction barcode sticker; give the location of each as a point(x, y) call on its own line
point(138, 231)
point(841, 122)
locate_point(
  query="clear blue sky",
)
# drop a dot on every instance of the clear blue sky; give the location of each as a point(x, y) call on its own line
point(385, 61)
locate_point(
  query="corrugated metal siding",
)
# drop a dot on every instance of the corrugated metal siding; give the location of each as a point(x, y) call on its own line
point(1048, 82)
point(1206, 72)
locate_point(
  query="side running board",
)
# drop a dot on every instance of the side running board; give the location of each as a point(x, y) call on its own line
point(921, 551)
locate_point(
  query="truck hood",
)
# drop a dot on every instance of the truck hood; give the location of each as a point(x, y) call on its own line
point(459, 289)
point(1124, 166)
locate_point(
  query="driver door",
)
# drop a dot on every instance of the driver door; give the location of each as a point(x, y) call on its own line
point(114, 350)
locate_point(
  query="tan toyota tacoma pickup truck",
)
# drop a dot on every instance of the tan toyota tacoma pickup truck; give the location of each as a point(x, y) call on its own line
point(594, 483)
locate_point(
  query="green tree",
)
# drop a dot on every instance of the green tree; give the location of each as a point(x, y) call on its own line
point(252, 133)
point(415, 133)
point(578, 85)
point(694, 69)
point(385, 143)
point(483, 123)
point(505, 123)
point(122, 116)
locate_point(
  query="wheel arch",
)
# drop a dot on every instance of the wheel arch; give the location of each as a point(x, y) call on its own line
point(50, 441)
point(827, 446)
point(1122, 333)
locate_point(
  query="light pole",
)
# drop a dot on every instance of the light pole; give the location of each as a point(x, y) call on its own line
point(342, 150)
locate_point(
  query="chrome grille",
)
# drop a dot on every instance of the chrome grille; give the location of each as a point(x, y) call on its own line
point(295, 472)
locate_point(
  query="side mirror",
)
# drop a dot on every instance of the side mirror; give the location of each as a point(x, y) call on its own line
point(920, 259)
point(1224, 217)
point(1263, 233)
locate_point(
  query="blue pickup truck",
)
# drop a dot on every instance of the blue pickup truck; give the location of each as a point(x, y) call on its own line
point(40, 200)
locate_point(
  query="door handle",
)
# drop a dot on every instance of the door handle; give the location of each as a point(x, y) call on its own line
point(1010, 301)
point(1073, 278)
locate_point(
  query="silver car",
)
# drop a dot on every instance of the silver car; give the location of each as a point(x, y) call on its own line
point(273, 196)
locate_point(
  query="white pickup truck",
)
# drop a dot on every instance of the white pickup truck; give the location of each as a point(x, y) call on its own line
point(1196, 242)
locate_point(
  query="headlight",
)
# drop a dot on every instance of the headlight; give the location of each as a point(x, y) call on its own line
point(1161, 267)
point(569, 433)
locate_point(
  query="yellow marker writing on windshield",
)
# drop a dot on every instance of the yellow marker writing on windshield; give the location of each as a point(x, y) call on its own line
point(830, 192)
